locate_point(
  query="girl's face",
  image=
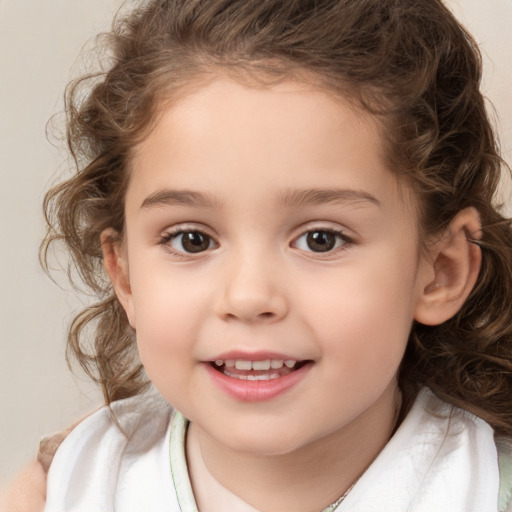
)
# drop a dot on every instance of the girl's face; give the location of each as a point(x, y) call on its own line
point(272, 266)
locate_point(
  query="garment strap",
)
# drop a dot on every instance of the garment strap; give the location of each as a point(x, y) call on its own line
point(504, 447)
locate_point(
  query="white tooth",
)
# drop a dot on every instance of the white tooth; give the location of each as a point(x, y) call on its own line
point(243, 365)
point(261, 365)
point(275, 364)
point(265, 376)
point(290, 363)
point(230, 363)
point(219, 362)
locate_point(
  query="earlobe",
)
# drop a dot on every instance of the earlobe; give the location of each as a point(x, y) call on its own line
point(116, 265)
point(452, 269)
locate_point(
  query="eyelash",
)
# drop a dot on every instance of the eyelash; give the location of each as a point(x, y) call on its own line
point(167, 238)
point(342, 241)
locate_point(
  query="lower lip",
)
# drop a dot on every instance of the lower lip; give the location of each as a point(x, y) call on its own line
point(256, 390)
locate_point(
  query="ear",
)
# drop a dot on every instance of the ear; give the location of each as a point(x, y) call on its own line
point(451, 269)
point(116, 265)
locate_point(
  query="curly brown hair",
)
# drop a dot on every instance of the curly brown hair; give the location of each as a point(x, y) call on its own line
point(407, 61)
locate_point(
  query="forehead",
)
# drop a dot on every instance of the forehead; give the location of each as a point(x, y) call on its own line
point(238, 135)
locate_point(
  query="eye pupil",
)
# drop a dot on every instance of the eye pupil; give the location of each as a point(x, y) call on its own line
point(321, 241)
point(194, 241)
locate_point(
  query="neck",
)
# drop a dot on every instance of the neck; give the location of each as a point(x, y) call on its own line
point(309, 478)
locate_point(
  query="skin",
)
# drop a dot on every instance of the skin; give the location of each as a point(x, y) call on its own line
point(258, 286)
point(27, 492)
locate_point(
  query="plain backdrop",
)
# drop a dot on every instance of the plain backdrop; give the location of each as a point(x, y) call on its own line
point(40, 42)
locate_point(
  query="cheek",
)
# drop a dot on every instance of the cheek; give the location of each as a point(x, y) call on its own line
point(363, 317)
point(165, 317)
point(165, 343)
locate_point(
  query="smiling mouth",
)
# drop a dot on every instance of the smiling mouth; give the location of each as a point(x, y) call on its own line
point(268, 369)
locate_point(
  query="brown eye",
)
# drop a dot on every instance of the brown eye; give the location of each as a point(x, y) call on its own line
point(321, 241)
point(191, 242)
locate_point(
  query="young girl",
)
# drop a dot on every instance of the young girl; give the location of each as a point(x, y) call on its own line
point(309, 285)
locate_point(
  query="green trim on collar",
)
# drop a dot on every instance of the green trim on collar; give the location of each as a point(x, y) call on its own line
point(179, 469)
point(178, 459)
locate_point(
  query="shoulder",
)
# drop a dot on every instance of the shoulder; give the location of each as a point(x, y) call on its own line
point(132, 421)
point(48, 447)
point(27, 492)
point(105, 456)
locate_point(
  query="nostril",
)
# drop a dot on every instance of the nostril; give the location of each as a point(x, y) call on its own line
point(251, 305)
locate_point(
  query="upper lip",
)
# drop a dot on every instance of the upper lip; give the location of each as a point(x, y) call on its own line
point(252, 356)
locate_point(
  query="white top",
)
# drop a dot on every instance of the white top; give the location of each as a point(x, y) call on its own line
point(441, 459)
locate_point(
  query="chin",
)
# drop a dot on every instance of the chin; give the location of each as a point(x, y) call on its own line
point(264, 442)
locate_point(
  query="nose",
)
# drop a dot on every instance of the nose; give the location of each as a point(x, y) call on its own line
point(252, 292)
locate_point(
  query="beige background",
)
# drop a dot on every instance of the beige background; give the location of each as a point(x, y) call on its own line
point(39, 42)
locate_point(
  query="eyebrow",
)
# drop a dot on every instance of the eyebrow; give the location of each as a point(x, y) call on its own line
point(315, 197)
point(291, 198)
point(168, 197)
